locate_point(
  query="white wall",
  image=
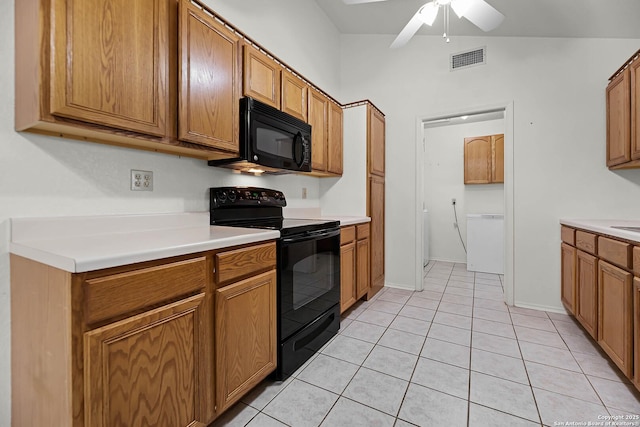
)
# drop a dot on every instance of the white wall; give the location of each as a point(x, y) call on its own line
point(444, 180)
point(46, 176)
point(557, 88)
point(347, 195)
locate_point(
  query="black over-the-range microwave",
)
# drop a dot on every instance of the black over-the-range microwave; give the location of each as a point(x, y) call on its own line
point(270, 141)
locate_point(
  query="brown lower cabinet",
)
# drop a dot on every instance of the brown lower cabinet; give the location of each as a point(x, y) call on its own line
point(606, 295)
point(148, 369)
point(568, 278)
point(636, 333)
point(615, 320)
point(587, 292)
point(354, 264)
point(134, 345)
point(244, 359)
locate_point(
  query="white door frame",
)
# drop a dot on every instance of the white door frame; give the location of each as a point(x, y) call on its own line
point(509, 234)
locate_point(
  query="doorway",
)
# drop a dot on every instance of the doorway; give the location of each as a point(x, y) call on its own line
point(479, 114)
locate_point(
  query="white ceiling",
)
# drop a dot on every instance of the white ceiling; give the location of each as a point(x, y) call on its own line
point(524, 18)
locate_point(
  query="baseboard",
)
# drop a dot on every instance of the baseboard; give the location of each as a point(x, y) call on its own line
point(456, 261)
point(398, 286)
point(552, 309)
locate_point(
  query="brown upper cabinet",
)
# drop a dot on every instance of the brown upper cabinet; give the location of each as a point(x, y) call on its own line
point(160, 75)
point(484, 159)
point(318, 114)
point(261, 77)
point(111, 63)
point(623, 111)
point(108, 71)
point(294, 95)
point(325, 118)
point(335, 142)
point(376, 140)
point(209, 65)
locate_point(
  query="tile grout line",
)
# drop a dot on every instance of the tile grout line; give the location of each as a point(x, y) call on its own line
point(526, 370)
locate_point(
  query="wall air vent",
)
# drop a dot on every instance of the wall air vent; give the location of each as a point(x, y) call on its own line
point(468, 58)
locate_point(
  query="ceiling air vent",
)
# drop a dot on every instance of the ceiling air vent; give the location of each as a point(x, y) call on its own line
point(468, 58)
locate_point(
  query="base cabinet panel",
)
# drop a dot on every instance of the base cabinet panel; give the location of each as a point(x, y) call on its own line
point(245, 331)
point(587, 292)
point(615, 327)
point(636, 328)
point(376, 212)
point(568, 278)
point(363, 272)
point(147, 370)
point(347, 276)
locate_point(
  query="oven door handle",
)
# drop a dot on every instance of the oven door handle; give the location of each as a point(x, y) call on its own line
point(312, 235)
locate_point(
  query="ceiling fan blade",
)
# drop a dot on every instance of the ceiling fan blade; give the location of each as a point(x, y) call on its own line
point(483, 15)
point(408, 31)
point(360, 1)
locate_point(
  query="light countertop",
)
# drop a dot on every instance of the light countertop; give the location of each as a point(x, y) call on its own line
point(79, 244)
point(605, 226)
point(347, 220)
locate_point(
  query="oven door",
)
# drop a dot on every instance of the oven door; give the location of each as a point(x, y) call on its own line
point(309, 278)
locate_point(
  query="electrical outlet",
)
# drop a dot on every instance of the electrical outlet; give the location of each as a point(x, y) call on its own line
point(141, 180)
point(304, 192)
point(453, 201)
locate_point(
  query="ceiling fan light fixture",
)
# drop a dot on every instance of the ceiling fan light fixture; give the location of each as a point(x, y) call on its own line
point(428, 13)
point(461, 7)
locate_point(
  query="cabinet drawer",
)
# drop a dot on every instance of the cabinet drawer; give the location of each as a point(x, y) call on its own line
point(347, 235)
point(118, 294)
point(586, 241)
point(636, 260)
point(568, 235)
point(362, 231)
point(615, 251)
point(231, 265)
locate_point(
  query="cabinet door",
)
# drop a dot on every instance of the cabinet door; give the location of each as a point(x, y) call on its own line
point(150, 369)
point(246, 341)
point(634, 70)
point(376, 212)
point(497, 158)
point(334, 148)
point(568, 279)
point(619, 119)
point(615, 327)
point(586, 309)
point(636, 328)
point(477, 160)
point(363, 273)
point(347, 276)
point(112, 63)
point(376, 141)
point(261, 77)
point(209, 81)
point(294, 96)
point(318, 119)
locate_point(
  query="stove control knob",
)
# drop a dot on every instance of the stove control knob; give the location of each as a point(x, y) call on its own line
point(222, 196)
point(232, 196)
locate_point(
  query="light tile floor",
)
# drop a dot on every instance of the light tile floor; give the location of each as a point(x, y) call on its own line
point(451, 355)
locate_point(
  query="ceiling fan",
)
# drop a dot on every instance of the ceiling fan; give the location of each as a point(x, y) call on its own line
point(478, 12)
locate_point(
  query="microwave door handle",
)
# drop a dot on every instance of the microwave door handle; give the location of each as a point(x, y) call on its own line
point(298, 155)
